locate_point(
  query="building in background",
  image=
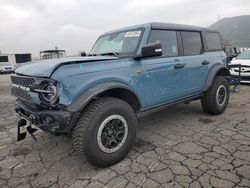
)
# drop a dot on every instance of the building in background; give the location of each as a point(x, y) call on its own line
point(52, 54)
point(15, 59)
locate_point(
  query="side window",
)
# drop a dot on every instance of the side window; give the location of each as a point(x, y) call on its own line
point(192, 43)
point(168, 40)
point(213, 41)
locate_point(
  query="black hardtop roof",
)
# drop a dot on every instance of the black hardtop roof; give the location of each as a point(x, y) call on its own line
point(161, 25)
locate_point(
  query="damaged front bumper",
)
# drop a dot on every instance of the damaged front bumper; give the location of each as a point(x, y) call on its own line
point(53, 121)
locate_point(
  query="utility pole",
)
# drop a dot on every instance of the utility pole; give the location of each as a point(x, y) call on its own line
point(218, 17)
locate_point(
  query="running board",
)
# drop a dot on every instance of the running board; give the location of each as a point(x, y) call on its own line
point(162, 107)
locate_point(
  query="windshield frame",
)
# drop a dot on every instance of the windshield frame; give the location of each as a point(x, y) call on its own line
point(131, 54)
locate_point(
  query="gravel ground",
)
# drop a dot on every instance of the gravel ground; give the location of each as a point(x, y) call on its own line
point(178, 147)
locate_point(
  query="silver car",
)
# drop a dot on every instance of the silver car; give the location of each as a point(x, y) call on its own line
point(244, 60)
point(6, 67)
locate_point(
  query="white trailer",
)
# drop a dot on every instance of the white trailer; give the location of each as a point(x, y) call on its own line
point(15, 59)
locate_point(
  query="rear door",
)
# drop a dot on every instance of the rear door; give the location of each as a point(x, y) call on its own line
point(196, 63)
point(165, 76)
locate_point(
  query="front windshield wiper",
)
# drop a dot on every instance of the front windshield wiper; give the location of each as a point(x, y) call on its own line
point(111, 53)
point(108, 53)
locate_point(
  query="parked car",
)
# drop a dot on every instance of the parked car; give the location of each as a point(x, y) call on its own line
point(129, 73)
point(6, 67)
point(244, 60)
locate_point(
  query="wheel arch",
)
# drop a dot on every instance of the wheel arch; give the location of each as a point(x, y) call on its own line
point(218, 69)
point(108, 89)
point(123, 94)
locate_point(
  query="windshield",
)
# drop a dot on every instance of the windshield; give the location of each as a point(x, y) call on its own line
point(5, 64)
point(244, 55)
point(119, 43)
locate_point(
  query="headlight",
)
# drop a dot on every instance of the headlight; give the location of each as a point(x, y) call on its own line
point(51, 92)
point(48, 92)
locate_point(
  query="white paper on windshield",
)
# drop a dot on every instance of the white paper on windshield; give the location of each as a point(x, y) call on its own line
point(133, 34)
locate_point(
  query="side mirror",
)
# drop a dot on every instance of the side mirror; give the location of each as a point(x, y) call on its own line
point(151, 50)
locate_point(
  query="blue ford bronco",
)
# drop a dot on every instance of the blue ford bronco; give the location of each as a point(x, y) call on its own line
point(129, 73)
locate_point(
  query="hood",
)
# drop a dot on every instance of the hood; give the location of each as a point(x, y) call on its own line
point(241, 61)
point(44, 68)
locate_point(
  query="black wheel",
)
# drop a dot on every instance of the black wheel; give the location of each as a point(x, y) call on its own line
point(105, 131)
point(216, 98)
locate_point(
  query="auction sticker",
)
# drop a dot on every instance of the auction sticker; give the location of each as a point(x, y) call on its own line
point(133, 34)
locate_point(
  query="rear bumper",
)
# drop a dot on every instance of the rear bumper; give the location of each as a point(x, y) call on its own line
point(53, 121)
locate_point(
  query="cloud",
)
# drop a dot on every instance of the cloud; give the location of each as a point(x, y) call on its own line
point(74, 25)
point(151, 4)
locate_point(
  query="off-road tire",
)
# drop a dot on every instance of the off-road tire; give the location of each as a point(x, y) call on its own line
point(84, 133)
point(209, 101)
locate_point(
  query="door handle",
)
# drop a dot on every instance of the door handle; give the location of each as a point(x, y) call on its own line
point(179, 66)
point(205, 62)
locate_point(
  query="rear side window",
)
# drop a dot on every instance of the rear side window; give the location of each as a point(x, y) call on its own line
point(168, 40)
point(213, 41)
point(192, 43)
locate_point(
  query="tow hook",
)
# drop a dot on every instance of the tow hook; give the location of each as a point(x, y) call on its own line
point(30, 130)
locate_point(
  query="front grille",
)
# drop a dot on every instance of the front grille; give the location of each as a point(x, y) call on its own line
point(244, 71)
point(23, 81)
point(19, 92)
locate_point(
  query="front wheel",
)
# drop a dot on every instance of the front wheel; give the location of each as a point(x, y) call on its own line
point(105, 131)
point(216, 99)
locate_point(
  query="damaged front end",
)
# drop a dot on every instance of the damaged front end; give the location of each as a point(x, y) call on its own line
point(38, 104)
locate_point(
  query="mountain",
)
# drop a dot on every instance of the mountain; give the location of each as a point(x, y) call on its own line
point(236, 30)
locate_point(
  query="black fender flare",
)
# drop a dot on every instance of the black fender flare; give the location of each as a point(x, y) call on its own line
point(215, 70)
point(88, 95)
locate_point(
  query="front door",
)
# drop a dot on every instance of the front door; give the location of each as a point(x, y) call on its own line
point(165, 76)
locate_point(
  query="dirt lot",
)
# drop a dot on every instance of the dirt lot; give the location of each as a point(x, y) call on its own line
point(178, 147)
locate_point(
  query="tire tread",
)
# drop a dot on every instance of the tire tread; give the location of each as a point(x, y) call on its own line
point(208, 102)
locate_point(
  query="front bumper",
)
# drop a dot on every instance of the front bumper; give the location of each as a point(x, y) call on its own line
point(53, 121)
point(7, 71)
point(243, 78)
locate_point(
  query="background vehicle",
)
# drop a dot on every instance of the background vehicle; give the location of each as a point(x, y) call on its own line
point(6, 67)
point(129, 73)
point(244, 60)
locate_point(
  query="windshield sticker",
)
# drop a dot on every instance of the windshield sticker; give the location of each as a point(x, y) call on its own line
point(133, 34)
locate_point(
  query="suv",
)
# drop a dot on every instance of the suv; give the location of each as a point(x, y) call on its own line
point(129, 73)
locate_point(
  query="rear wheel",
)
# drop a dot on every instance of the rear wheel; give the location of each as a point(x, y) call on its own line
point(105, 131)
point(216, 98)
